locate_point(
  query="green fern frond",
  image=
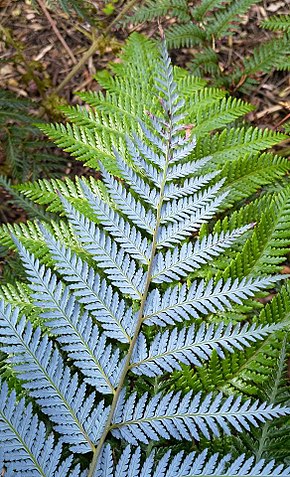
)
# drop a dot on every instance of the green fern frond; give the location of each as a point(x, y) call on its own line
point(214, 19)
point(188, 35)
point(205, 6)
point(220, 114)
point(277, 23)
point(206, 62)
point(272, 441)
point(26, 154)
point(267, 56)
point(234, 143)
point(245, 176)
point(18, 294)
point(188, 83)
point(18, 200)
point(219, 23)
point(152, 10)
point(265, 250)
point(46, 192)
point(243, 371)
point(81, 144)
point(14, 108)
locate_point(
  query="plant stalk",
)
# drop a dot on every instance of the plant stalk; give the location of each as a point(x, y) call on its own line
point(140, 315)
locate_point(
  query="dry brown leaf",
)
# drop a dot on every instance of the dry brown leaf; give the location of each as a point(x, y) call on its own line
point(274, 7)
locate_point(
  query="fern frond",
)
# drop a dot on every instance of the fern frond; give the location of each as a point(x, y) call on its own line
point(128, 205)
point(190, 186)
point(272, 440)
point(204, 98)
point(245, 176)
point(199, 11)
point(267, 56)
point(188, 220)
point(187, 35)
point(217, 116)
point(152, 10)
point(265, 250)
point(219, 23)
point(129, 238)
point(194, 207)
point(257, 366)
point(119, 267)
point(79, 337)
point(17, 199)
point(179, 171)
point(187, 83)
point(248, 370)
point(69, 6)
point(206, 62)
point(80, 142)
point(17, 105)
point(107, 328)
point(234, 143)
point(21, 141)
point(17, 294)
point(47, 193)
point(277, 22)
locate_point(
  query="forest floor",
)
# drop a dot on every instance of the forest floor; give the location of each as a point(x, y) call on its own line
point(34, 42)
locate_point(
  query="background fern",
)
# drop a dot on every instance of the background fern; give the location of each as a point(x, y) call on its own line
point(154, 270)
point(27, 154)
point(200, 26)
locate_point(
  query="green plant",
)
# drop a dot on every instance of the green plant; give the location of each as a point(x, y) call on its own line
point(202, 26)
point(26, 155)
point(110, 7)
point(26, 152)
point(138, 279)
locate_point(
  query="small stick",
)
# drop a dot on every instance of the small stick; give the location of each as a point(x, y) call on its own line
point(56, 30)
point(282, 121)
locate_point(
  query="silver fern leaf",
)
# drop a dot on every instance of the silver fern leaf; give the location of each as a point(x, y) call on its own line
point(98, 361)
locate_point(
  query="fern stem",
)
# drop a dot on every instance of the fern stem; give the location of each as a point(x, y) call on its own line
point(90, 52)
point(140, 320)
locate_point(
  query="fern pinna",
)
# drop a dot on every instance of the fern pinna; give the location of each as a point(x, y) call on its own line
point(121, 310)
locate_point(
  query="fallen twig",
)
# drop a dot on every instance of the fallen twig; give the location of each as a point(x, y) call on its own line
point(56, 30)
